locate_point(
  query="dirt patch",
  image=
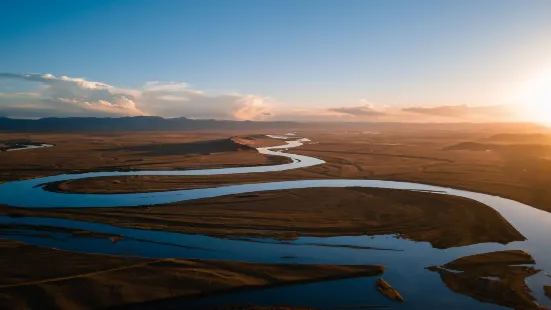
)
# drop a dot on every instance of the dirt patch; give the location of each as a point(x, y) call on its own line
point(91, 281)
point(444, 221)
point(494, 277)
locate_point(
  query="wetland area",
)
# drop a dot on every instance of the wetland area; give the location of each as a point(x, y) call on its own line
point(409, 218)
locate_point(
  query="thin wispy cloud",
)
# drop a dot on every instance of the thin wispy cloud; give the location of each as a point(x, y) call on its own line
point(464, 111)
point(366, 109)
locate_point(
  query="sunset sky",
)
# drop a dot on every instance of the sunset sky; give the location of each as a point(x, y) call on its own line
point(315, 60)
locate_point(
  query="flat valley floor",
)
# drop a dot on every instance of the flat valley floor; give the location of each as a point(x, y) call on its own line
point(511, 162)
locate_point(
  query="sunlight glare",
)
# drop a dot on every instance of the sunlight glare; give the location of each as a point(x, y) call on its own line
point(536, 99)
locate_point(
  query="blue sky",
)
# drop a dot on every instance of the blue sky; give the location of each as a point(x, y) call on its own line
point(310, 59)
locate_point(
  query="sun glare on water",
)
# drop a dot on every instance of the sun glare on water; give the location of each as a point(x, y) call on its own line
point(536, 99)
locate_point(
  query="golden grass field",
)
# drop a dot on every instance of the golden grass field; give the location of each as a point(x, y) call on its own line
point(129, 151)
point(519, 171)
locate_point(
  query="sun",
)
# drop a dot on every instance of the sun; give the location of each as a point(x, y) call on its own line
point(535, 99)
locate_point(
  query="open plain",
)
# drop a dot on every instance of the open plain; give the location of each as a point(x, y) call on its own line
point(482, 159)
point(505, 166)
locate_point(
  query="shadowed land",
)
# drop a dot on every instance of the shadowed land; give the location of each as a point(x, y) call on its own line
point(90, 281)
point(496, 277)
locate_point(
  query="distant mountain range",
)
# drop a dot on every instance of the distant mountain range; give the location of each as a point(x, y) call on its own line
point(156, 123)
point(137, 123)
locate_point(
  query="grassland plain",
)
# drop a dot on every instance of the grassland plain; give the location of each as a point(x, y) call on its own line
point(518, 171)
point(444, 221)
point(131, 151)
point(421, 156)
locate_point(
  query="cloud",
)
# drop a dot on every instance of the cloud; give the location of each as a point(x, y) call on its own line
point(177, 99)
point(12, 95)
point(366, 109)
point(66, 96)
point(370, 112)
point(253, 107)
point(63, 95)
point(464, 111)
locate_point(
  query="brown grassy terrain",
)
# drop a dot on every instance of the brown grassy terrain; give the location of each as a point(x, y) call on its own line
point(444, 221)
point(92, 281)
point(129, 151)
point(520, 138)
point(514, 174)
point(407, 154)
point(492, 277)
point(415, 156)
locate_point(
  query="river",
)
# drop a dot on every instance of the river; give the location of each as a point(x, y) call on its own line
point(405, 264)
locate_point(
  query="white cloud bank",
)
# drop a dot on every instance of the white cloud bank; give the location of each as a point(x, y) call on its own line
point(66, 96)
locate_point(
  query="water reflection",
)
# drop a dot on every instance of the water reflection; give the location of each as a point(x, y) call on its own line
point(405, 268)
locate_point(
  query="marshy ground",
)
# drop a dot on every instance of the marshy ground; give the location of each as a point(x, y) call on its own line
point(41, 278)
point(513, 165)
point(444, 221)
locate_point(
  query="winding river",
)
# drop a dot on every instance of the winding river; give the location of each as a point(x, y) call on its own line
point(405, 264)
point(28, 147)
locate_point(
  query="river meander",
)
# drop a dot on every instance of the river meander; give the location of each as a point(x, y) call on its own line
point(405, 263)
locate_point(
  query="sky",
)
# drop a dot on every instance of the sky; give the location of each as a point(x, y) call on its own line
point(312, 60)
